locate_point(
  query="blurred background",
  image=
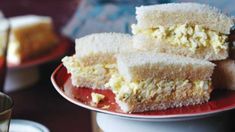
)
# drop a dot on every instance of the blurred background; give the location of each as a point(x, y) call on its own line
point(74, 18)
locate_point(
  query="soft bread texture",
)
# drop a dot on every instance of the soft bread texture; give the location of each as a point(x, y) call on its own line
point(90, 80)
point(180, 13)
point(101, 47)
point(147, 43)
point(151, 105)
point(93, 82)
point(224, 74)
point(144, 65)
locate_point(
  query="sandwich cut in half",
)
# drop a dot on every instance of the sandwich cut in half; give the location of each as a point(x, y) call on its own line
point(30, 36)
point(94, 60)
point(186, 29)
point(152, 81)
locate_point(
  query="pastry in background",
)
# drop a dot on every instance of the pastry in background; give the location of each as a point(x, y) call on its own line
point(186, 29)
point(224, 74)
point(30, 36)
point(150, 81)
point(94, 60)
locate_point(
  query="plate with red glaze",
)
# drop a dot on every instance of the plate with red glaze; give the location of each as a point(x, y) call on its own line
point(221, 100)
point(62, 47)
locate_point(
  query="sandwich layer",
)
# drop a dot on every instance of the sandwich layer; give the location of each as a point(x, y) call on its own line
point(144, 65)
point(179, 13)
point(187, 29)
point(30, 36)
point(195, 38)
point(94, 76)
point(156, 94)
point(95, 60)
point(147, 43)
point(149, 81)
point(101, 47)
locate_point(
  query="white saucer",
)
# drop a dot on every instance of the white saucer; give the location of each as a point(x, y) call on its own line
point(19, 125)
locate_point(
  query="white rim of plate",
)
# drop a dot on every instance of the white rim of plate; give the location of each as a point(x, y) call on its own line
point(176, 117)
point(34, 124)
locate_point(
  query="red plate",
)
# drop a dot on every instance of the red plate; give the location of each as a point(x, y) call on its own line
point(221, 100)
point(58, 51)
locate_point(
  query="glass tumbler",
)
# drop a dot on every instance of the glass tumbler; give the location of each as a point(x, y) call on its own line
point(6, 105)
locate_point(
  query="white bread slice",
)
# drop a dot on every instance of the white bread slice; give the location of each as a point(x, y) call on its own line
point(224, 74)
point(181, 13)
point(138, 92)
point(152, 106)
point(143, 65)
point(146, 43)
point(89, 79)
point(101, 47)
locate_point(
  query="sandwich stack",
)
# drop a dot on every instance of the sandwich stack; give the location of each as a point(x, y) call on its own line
point(165, 64)
point(186, 29)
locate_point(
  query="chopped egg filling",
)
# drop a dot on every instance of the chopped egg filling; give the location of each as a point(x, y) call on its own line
point(96, 98)
point(144, 90)
point(193, 37)
point(73, 66)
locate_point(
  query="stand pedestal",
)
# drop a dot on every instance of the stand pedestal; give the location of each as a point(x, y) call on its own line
point(19, 79)
point(215, 123)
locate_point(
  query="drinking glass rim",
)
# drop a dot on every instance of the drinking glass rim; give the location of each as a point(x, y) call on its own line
point(8, 109)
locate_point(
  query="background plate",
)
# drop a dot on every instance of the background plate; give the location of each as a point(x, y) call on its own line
point(221, 100)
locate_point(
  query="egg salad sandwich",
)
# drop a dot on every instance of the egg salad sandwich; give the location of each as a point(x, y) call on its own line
point(94, 60)
point(30, 36)
point(151, 81)
point(186, 29)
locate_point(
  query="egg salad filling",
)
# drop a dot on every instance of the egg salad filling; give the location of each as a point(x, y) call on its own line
point(139, 91)
point(99, 70)
point(96, 98)
point(194, 37)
